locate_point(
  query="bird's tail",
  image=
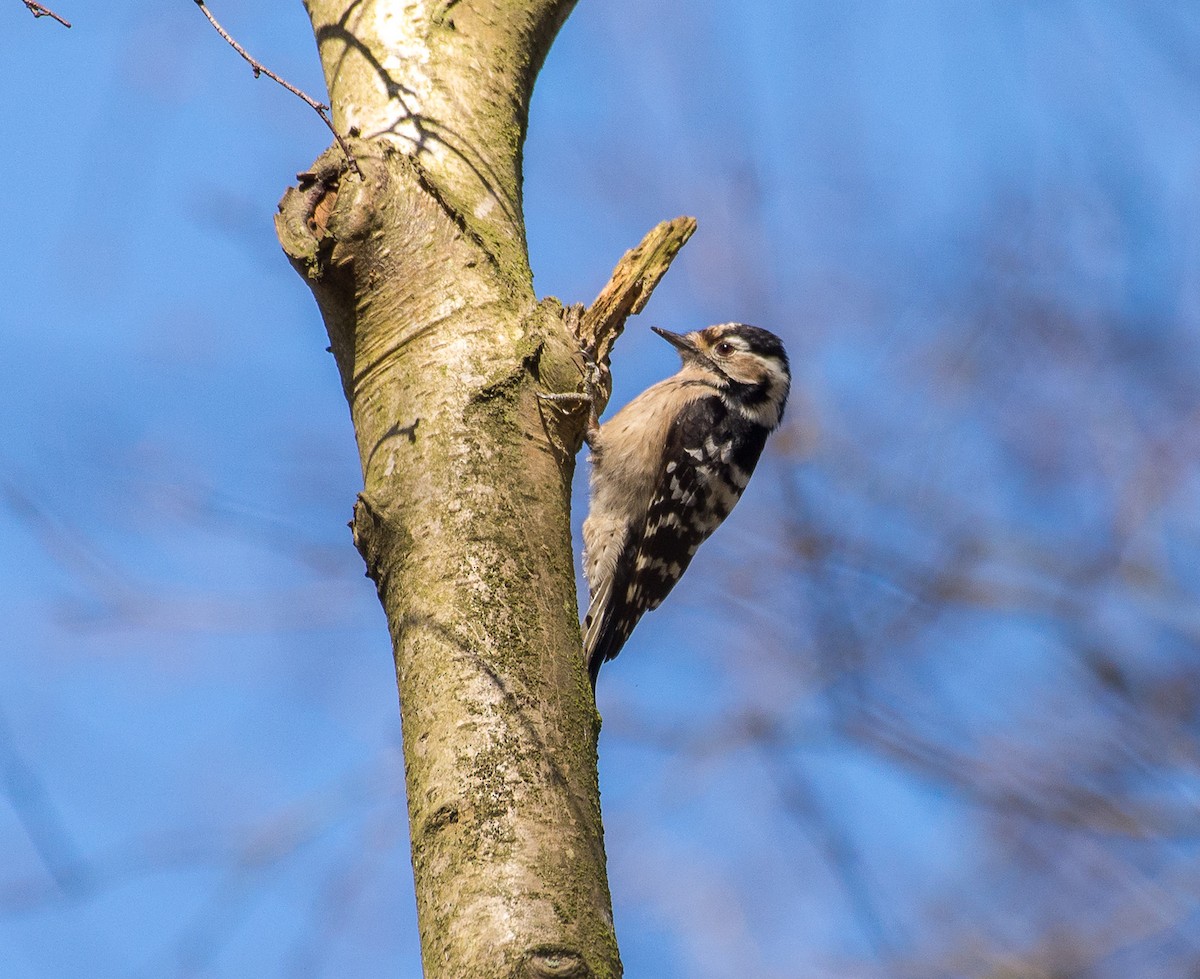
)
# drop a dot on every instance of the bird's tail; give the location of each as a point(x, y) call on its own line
point(604, 630)
point(595, 626)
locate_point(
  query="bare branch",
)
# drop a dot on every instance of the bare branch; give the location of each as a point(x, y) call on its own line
point(39, 11)
point(320, 108)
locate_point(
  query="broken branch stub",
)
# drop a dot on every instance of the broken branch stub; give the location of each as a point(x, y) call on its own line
point(628, 290)
point(630, 285)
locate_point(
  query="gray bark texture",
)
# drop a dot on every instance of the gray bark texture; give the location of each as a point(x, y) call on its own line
point(419, 266)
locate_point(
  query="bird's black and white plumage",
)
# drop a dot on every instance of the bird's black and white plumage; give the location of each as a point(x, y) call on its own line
point(669, 467)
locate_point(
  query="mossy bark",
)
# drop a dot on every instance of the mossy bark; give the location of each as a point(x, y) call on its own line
point(421, 274)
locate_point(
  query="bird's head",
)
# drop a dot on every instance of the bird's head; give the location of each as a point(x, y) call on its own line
point(747, 362)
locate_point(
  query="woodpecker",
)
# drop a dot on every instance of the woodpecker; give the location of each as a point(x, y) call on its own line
point(669, 467)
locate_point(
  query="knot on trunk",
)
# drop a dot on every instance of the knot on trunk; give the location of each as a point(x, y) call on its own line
point(553, 962)
point(368, 527)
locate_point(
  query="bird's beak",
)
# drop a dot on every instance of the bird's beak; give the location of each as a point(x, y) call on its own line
point(680, 341)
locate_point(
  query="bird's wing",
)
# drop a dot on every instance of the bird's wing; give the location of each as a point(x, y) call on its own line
point(691, 497)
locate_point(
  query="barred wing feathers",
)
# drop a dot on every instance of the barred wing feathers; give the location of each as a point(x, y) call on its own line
point(708, 459)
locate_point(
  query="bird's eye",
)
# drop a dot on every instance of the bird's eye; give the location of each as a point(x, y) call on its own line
point(724, 348)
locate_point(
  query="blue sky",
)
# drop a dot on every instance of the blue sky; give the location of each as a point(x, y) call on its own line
point(974, 225)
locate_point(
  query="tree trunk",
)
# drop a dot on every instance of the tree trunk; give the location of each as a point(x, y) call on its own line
point(417, 258)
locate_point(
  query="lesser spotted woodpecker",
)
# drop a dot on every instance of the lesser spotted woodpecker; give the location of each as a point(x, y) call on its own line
point(668, 468)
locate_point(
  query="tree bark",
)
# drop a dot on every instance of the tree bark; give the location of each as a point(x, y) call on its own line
point(420, 270)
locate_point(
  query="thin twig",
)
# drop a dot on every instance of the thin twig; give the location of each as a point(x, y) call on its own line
point(39, 11)
point(259, 68)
